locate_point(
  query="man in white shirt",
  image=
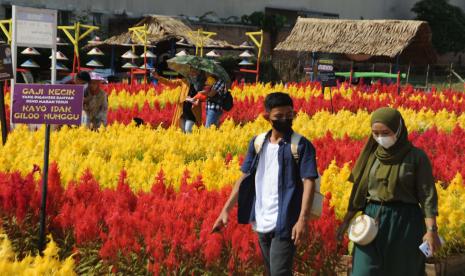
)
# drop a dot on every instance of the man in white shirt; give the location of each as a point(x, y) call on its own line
point(275, 191)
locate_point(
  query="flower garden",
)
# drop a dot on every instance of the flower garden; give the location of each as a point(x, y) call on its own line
point(142, 200)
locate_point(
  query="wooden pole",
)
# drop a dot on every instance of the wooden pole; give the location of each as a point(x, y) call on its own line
point(3, 115)
point(112, 62)
point(259, 54)
point(43, 204)
point(132, 69)
point(450, 75)
point(74, 63)
point(76, 45)
point(145, 59)
point(427, 77)
point(408, 73)
point(351, 73)
point(331, 98)
point(312, 66)
point(258, 69)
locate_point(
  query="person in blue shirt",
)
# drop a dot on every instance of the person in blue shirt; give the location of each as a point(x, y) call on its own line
point(276, 190)
point(214, 103)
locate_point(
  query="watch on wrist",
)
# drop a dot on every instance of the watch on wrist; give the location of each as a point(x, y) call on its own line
point(433, 228)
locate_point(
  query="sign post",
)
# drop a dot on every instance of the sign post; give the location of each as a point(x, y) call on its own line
point(259, 44)
point(141, 34)
point(199, 37)
point(75, 39)
point(35, 28)
point(327, 77)
point(6, 73)
point(47, 104)
point(3, 115)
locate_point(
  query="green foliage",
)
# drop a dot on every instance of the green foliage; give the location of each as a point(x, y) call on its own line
point(269, 23)
point(83, 17)
point(268, 72)
point(447, 23)
point(254, 19)
point(229, 63)
point(23, 239)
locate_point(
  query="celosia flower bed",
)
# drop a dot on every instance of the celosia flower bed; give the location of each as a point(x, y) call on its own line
point(161, 231)
point(140, 200)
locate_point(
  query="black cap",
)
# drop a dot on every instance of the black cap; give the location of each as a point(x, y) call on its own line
point(83, 75)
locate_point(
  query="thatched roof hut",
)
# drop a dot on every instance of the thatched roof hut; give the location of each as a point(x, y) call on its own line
point(163, 28)
point(362, 39)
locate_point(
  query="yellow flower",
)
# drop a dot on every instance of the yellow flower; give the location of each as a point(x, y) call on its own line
point(124, 99)
point(49, 264)
point(451, 207)
point(451, 200)
point(334, 180)
point(143, 151)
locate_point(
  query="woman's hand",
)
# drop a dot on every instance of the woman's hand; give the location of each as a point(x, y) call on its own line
point(432, 238)
point(431, 235)
point(341, 230)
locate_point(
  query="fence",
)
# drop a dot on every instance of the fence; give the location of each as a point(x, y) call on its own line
point(420, 76)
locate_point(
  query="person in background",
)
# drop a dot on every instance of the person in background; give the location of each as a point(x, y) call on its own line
point(202, 96)
point(162, 65)
point(214, 103)
point(192, 114)
point(186, 114)
point(393, 181)
point(95, 105)
point(82, 78)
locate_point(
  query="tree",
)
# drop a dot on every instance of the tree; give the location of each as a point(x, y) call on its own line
point(269, 23)
point(447, 24)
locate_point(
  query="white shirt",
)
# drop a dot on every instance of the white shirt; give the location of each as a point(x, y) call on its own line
point(266, 189)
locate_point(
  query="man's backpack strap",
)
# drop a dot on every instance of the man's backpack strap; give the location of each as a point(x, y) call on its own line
point(295, 140)
point(259, 141)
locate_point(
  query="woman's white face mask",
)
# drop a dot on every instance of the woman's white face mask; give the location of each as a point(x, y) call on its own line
point(389, 140)
point(386, 141)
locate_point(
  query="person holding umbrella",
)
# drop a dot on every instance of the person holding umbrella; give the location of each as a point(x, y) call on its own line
point(184, 66)
point(186, 114)
point(215, 103)
point(202, 96)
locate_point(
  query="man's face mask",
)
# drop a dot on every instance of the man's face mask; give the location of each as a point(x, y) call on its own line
point(282, 125)
point(281, 118)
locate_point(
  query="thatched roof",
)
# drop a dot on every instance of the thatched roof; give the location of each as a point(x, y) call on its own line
point(384, 38)
point(162, 28)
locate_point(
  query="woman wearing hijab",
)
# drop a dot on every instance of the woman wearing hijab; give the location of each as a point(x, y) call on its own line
point(393, 181)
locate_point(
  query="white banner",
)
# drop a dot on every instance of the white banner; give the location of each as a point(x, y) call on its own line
point(35, 27)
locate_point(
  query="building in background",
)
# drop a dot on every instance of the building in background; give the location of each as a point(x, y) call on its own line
point(220, 16)
point(114, 16)
point(99, 11)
